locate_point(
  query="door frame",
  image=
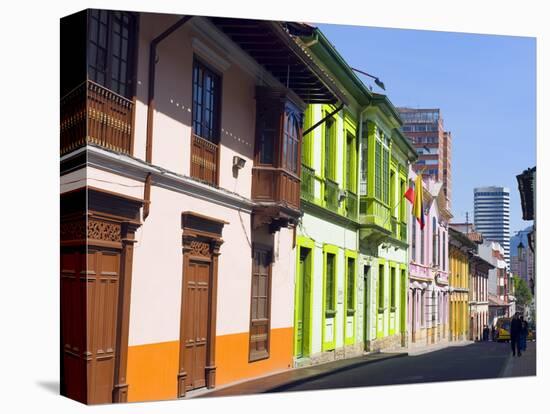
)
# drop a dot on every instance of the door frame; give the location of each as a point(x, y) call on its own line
point(201, 240)
point(350, 254)
point(97, 218)
point(304, 242)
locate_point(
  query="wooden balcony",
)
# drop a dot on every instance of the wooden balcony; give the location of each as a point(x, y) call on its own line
point(204, 160)
point(275, 185)
point(91, 113)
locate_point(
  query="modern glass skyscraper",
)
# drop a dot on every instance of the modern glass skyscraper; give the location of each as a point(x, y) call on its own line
point(492, 215)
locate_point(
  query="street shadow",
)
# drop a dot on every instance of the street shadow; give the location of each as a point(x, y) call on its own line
point(51, 386)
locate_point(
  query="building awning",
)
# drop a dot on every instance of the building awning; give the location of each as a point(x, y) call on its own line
point(496, 301)
point(274, 47)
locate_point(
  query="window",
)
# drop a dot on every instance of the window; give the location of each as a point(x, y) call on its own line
point(378, 170)
point(381, 288)
point(329, 148)
point(260, 306)
point(330, 303)
point(435, 244)
point(381, 168)
point(291, 139)
point(350, 162)
point(392, 287)
point(392, 193)
point(268, 123)
point(111, 50)
point(350, 300)
point(364, 161)
point(444, 251)
point(206, 102)
point(422, 245)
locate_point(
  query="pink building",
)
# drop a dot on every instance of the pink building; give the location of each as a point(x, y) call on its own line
point(428, 306)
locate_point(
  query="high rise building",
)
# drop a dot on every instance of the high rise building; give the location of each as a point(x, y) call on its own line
point(424, 127)
point(492, 215)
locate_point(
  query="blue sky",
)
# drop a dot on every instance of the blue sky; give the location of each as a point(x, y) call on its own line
point(485, 86)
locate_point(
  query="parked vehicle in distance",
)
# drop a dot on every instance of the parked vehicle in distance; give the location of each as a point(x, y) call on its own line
point(503, 330)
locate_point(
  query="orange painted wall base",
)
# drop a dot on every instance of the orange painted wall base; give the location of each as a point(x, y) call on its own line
point(232, 356)
point(153, 368)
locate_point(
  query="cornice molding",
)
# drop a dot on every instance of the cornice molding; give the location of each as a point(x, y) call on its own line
point(136, 169)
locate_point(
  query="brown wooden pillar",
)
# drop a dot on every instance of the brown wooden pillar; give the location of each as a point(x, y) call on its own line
point(211, 349)
point(182, 374)
point(120, 390)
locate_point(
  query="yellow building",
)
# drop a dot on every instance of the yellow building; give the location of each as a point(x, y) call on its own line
point(460, 248)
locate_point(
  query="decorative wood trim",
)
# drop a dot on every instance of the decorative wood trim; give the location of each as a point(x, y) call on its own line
point(93, 217)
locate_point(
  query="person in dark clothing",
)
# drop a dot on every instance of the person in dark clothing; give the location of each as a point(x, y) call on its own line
point(493, 333)
point(524, 331)
point(515, 329)
point(485, 333)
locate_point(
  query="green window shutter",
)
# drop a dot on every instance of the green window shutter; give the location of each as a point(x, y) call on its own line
point(329, 292)
point(378, 171)
point(386, 175)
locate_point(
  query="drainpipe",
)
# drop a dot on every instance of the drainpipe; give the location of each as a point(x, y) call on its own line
point(151, 105)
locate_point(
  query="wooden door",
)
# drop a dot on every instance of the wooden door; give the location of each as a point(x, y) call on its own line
point(89, 302)
point(102, 275)
point(196, 315)
point(73, 324)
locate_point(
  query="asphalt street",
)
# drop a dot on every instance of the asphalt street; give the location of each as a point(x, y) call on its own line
point(476, 361)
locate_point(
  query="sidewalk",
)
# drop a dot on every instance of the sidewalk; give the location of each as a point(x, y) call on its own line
point(293, 376)
point(526, 365)
point(420, 350)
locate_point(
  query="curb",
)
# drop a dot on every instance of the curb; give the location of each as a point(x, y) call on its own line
point(282, 387)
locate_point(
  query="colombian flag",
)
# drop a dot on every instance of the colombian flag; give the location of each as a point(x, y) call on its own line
point(418, 207)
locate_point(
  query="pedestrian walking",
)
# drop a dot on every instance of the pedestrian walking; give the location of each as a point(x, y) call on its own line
point(485, 333)
point(524, 331)
point(493, 333)
point(515, 329)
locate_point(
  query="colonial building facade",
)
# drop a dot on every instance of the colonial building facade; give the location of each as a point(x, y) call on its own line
point(428, 289)
point(351, 257)
point(460, 250)
point(180, 189)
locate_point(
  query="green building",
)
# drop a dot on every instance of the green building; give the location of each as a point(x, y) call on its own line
point(354, 169)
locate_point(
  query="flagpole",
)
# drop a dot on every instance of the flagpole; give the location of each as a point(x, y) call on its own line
point(402, 197)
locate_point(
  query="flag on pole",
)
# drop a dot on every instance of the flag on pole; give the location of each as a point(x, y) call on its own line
point(418, 207)
point(409, 194)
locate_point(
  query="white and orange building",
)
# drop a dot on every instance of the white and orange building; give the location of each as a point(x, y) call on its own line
point(180, 192)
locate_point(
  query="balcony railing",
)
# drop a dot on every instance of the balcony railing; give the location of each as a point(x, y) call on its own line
point(331, 194)
point(204, 160)
point(374, 212)
point(94, 114)
point(351, 205)
point(308, 183)
point(403, 231)
point(394, 227)
point(271, 184)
